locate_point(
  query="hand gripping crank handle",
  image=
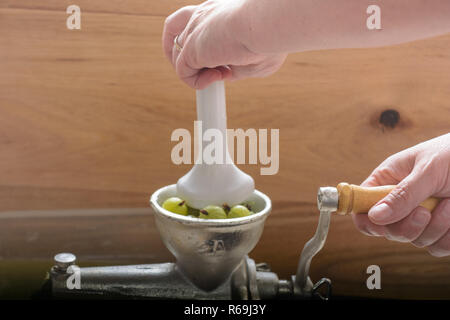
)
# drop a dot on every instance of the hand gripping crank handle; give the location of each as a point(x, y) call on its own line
point(356, 199)
point(344, 199)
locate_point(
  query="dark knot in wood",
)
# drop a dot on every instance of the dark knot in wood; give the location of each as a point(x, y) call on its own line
point(389, 118)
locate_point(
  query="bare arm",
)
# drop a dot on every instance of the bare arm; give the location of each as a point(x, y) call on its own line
point(293, 25)
point(236, 39)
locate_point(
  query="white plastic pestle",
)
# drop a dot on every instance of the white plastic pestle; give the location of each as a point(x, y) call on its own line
point(208, 182)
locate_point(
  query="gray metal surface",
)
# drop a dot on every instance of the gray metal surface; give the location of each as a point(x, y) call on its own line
point(64, 260)
point(164, 281)
point(327, 202)
point(211, 261)
point(208, 251)
point(153, 281)
point(327, 199)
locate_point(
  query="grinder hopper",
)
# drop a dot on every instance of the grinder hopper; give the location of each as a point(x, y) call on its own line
point(208, 251)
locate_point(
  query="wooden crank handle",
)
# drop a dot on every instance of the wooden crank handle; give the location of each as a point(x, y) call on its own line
point(356, 199)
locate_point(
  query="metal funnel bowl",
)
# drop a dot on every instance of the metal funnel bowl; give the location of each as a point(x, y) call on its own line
point(208, 251)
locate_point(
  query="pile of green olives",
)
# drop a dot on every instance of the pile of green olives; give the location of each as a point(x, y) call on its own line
point(177, 205)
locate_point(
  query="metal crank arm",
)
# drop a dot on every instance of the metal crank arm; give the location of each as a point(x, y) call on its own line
point(327, 201)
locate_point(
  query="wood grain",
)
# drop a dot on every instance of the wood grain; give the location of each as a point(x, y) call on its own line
point(86, 118)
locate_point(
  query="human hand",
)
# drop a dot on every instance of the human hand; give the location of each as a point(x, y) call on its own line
point(419, 172)
point(209, 36)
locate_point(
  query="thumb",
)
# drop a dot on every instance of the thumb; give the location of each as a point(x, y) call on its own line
point(405, 197)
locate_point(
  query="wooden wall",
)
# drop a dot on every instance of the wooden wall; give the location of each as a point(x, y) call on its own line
point(86, 118)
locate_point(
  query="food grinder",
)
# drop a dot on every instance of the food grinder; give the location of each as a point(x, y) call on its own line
point(212, 260)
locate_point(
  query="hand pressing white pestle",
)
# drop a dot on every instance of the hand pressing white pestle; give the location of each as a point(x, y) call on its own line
point(215, 183)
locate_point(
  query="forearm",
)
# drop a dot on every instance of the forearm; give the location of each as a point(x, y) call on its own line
point(274, 26)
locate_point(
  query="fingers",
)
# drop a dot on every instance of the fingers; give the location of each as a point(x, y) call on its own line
point(392, 170)
point(173, 26)
point(438, 226)
point(200, 79)
point(380, 177)
point(410, 228)
point(207, 49)
point(418, 172)
point(263, 68)
point(405, 197)
point(442, 247)
point(177, 25)
point(207, 76)
point(406, 230)
point(368, 228)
